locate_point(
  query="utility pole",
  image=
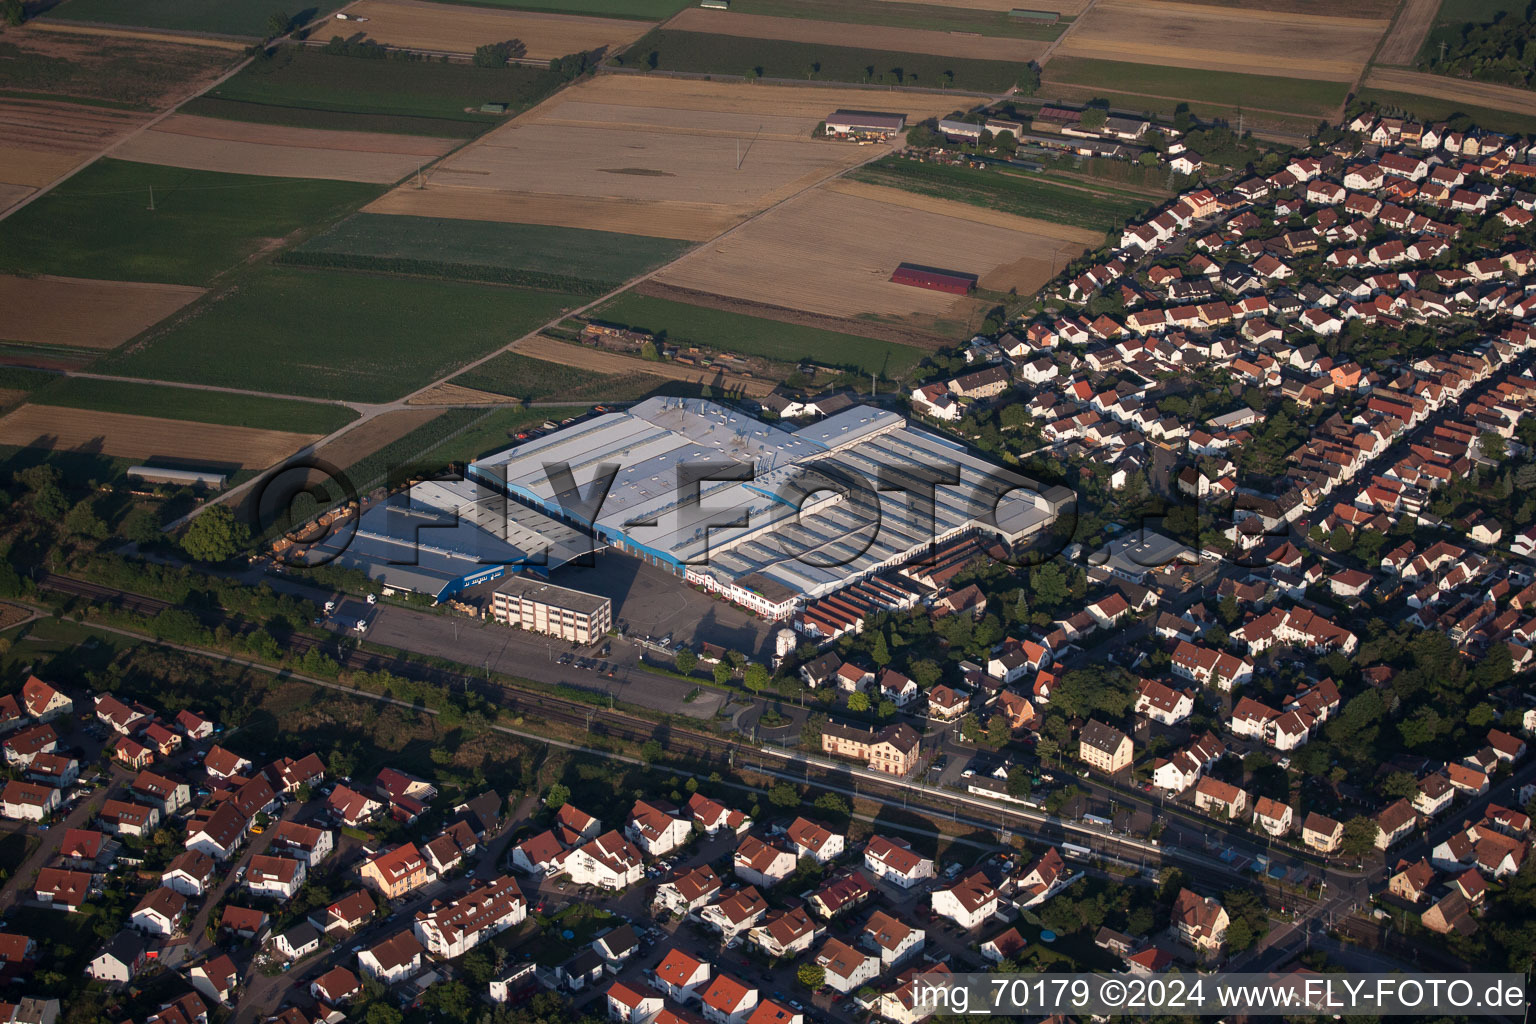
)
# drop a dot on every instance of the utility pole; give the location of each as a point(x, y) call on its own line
point(151, 199)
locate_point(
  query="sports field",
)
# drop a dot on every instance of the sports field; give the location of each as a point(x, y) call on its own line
point(721, 330)
point(567, 259)
point(100, 223)
point(1163, 33)
point(310, 88)
point(713, 54)
point(1092, 207)
point(192, 405)
point(443, 28)
point(382, 337)
point(933, 42)
point(228, 17)
point(216, 144)
point(77, 313)
point(1146, 86)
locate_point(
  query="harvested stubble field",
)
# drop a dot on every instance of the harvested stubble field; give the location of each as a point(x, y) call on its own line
point(44, 139)
point(214, 144)
point(833, 253)
point(1409, 31)
point(1378, 10)
point(1454, 90)
point(419, 25)
point(10, 194)
point(146, 437)
point(1163, 33)
point(1066, 8)
point(99, 225)
point(527, 254)
point(571, 161)
point(876, 37)
point(81, 313)
point(339, 335)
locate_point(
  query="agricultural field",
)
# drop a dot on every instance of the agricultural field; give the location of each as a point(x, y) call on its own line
point(722, 330)
point(245, 18)
point(420, 25)
point(1222, 93)
point(105, 70)
point(1167, 34)
point(535, 255)
point(668, 50)
point(1091, 207)
point(832, 253)
point(907, 14)
point(648, 156)
point(534, 380)
point(144, 438)
point(215, 144)
point(372, 434)
point(638, 10)
point(1448, 17)
point(814, 32)
point(629, 372)
point(1431, 109)
point(1377, 10)
point(1457, 94)
point(100, 225)
point(84, 314)
point(194, 405)
point(43, 139)
point(1409, 32)
point(383, 337)
point(309, 88)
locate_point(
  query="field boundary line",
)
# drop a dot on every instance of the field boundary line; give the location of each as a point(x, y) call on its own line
point(358, 407)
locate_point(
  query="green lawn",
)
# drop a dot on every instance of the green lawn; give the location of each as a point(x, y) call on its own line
point(1227, 89)
point(777, 58)
point(331, 334)
point(933, 17)
point(196, 406)
point(1429, 108)
point(226, 17)
point(749, 335)
point(310, 88)
point(99, 224)
point(568, 259)
point(1010, 191)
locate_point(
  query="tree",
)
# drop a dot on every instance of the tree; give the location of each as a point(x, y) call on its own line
point(880, 652)
point(723, 673)
point(782, 794)
point(809, 975)
point(1093, 119)
point(755, 678)
point(278, 24)
point(1400, 785)
point(82, 521)
point(13, 12)
point(1359, 836)
point(998, 732)
point(858, 701)
point(885, 709)
point(142, 526)
point(650, 751)
point(687, 661)
point(496, 55)
point(1492, 446)
point(215, 535)
point(557, 796)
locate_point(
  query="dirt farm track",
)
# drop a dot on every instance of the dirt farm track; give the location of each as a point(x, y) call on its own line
point(446, 28)
point(146, 437)
point(1458, 90)
point(1224, 39)
point(84, 314)
point(876, 37)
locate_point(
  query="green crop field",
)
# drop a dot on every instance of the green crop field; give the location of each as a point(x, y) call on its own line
point(565, 259)
point(99, 223)
point(1151, 86)
point(310, 88)
point(724, 331)
point(933, 17)
point(227, 17)
point(1104, 208)
point(1430, 109)
point(639, 10)
point(457, 435)
point(331, 334)
point(777, 58)
point(196, 406)
point(534, 380)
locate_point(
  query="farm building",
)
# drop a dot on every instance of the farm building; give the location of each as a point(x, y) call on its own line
point(440, 537)
point(960, 131)
point(864, 122)
point(180, 477)
point(934, 279)
point(771, 516)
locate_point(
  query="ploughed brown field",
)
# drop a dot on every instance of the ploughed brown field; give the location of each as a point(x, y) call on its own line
point(832, 252)
point(79, 313)
point(419, 25)
point(567, 354)
point(42, 139)
point(1407, 37)
point(212, 144)
point(650, 156)
point(371, 435)
point(1214, 38)
point(1459, 90)
point(874, 37)
point(147, 437)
